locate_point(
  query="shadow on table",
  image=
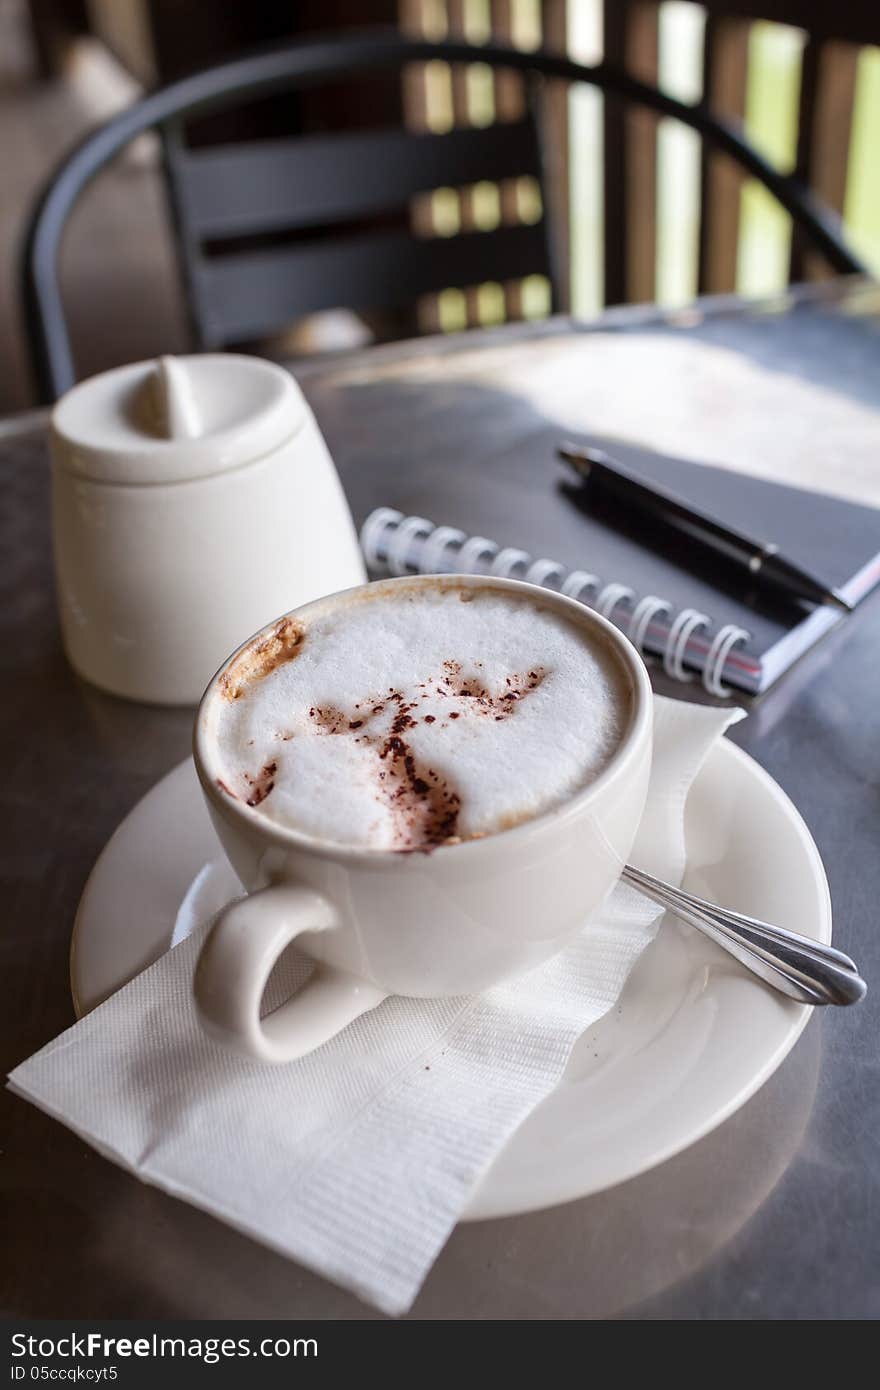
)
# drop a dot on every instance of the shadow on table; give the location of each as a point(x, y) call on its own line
point(93, 1242)
point(600, 1257)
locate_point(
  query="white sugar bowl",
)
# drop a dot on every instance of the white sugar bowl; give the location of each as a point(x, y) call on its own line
point(193, 498)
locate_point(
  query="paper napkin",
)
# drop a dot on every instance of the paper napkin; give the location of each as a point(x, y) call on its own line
point(359, 1159)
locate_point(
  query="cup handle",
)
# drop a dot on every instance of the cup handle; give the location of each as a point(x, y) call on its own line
point(237, 959)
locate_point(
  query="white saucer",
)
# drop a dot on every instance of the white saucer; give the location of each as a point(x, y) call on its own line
point(691, 1039)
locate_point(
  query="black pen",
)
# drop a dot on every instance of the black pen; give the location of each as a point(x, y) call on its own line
point(759, 560)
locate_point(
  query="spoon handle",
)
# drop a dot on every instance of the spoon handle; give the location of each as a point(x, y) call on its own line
point(796, 965)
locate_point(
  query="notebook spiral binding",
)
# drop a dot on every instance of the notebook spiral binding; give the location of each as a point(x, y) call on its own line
point(402, 545)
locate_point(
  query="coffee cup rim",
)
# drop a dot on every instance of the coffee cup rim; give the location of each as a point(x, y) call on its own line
point(249, 817)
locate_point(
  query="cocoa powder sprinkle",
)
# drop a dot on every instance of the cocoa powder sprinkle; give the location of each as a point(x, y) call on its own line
point(424, 807)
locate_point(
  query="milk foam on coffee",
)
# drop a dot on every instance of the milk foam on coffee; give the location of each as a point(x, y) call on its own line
point(416, 718)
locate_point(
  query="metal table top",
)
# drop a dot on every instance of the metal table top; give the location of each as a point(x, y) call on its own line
point(774, 1215)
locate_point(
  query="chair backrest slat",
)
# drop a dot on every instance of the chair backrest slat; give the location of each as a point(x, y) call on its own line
point(236, 190)
point(245, 294)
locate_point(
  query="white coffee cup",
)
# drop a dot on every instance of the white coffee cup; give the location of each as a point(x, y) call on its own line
point(193, 497)
point(451, 921)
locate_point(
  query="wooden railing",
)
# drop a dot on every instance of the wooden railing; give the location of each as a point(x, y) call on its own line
point(831, 36)
point(435, 98)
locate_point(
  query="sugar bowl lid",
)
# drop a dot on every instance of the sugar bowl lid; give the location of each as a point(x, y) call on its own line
point(176, 418)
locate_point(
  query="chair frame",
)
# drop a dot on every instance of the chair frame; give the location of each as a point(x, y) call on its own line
point(335, 183)
point(311, 63)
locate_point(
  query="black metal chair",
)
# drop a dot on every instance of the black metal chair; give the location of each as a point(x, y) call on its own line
point(221, 194)
point(334, 209)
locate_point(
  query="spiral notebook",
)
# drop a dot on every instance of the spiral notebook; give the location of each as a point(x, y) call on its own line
point(674, 601)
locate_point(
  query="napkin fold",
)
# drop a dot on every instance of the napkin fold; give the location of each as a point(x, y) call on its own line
point(359, 1159)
